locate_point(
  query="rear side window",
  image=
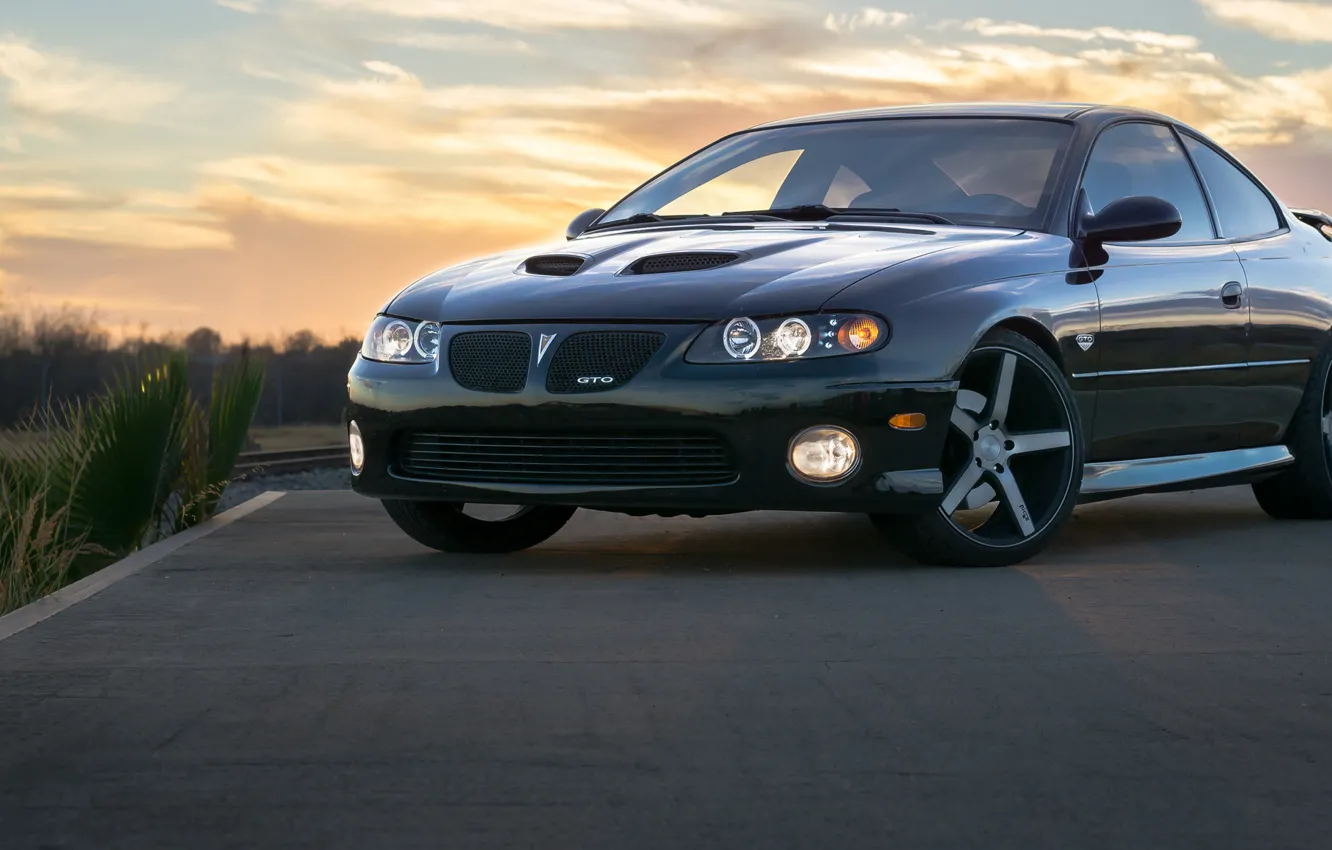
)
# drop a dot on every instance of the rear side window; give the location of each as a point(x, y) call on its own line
point(1146, 159)
point(1242, 207)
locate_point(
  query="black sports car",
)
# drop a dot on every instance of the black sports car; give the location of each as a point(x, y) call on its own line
point(959, 320)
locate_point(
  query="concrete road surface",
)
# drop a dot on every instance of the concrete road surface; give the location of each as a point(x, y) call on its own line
point(309, 678)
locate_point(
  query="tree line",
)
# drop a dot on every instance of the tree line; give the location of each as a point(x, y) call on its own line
point(68, 355)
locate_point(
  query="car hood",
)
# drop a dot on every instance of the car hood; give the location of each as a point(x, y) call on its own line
point(779, 268)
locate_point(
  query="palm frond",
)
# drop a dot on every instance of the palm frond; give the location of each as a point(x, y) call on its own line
point(131, 442)
point(236, 393)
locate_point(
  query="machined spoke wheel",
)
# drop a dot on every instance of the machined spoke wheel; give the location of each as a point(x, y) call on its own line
point(1007, 414)
point(1304, 489)
point(1012, 461)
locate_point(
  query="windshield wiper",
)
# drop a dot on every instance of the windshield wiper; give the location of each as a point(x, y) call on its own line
point(644, 218)
point(820, 212)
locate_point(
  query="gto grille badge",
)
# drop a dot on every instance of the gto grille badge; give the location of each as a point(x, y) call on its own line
point(591, 380)
point(1086, 341)
point(546, 340)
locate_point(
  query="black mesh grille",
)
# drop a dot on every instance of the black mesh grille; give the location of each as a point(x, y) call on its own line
point(626, 460)
point(490, 361)
point(559, 265)
point(688, 262)
point(598, 355)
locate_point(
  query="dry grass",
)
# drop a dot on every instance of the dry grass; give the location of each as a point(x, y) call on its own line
point(37, 551)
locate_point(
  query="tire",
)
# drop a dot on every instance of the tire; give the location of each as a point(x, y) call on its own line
point(1007, 502)
point(445, 527)
point(1304, 489)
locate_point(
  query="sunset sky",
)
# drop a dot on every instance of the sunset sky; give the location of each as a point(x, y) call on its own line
point(262, 166)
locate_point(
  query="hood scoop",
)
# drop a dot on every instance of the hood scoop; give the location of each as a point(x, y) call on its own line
point(690, 261)
point(554, 265)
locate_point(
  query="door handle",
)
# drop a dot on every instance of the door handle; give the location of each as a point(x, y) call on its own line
point(1232, 295)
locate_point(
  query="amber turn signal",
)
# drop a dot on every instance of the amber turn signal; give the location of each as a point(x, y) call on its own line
point(858, 334)
point(908, 421)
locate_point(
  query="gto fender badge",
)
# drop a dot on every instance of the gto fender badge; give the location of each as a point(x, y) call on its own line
point(1086, 341)
point(546, 340)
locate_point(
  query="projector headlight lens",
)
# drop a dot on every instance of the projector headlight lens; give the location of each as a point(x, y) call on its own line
point(793, 337)
point(824, 455)
point(743, 338)
point(789, 338)
point(392, 340)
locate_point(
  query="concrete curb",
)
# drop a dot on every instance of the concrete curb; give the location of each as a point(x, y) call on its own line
point(48, 606)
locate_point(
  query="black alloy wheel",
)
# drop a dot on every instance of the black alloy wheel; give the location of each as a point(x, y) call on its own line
point(1012, 462)
point(1304, 489)
point(454, 527)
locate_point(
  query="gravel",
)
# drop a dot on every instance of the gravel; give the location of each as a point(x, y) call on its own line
point(319, 479)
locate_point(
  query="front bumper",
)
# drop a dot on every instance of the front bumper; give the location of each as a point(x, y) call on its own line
point(756, 408)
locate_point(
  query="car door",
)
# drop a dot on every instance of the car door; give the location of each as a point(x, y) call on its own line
point(1288, 309)
point(1174, 312)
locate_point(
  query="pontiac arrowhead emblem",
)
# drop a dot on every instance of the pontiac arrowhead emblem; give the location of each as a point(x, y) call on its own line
point(546, 340)
point(1086, 341)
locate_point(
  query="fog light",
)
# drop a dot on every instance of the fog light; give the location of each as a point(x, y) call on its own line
point(824, 455)
point(357, 447)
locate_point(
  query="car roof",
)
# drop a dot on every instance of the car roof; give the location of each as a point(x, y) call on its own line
point(1056, 111)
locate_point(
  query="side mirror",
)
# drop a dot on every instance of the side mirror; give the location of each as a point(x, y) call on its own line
point(581, 223)
point(1136, 219)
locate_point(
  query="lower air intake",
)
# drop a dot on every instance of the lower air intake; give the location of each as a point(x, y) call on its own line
point(490, 361)
point(587, 460)
point(596, 361)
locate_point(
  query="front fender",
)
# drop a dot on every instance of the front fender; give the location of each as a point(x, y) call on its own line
point(941, 307)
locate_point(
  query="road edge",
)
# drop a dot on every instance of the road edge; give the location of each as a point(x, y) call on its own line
point(48, 606)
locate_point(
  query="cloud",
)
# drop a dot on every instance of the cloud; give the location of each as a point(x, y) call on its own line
point(1195, 87)
point(375, 164)
point(157, 220)
point(302, 274)
point(459, 42)
point(864, 19)
point(566, 14)
point(1280, 19)
point(1143, 38)
point(249, 7)
point(52, 84)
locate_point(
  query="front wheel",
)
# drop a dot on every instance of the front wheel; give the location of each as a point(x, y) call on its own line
point(453, 527)
point(1012, 462)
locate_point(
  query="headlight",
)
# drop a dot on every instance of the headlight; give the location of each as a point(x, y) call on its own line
point(789, 338)
point(391, 340)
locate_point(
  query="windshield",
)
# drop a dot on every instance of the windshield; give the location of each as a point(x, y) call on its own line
point(984, 171)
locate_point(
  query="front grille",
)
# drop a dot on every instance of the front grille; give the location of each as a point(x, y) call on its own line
point(684, 262)
point(558, 265)
point(595, 356)
point(616, 460)
point(490, 361)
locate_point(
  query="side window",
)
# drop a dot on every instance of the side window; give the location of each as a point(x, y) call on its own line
point(1146, 159)
point(1242, 208)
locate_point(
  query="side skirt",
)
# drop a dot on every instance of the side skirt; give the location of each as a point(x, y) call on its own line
point(1187, 472)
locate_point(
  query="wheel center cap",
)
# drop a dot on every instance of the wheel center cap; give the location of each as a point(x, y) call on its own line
point(991, 447)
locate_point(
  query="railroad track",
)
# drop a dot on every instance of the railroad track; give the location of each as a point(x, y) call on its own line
point(293, 460)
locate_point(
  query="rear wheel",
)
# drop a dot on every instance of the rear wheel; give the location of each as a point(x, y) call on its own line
point(1012, 462)
point(454, 527)
point(1304, 490)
